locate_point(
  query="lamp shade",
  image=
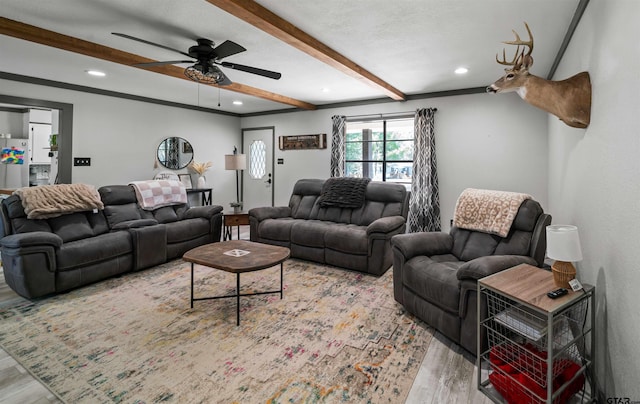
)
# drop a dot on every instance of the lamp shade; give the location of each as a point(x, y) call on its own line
point(235, 162)
point(563, 243)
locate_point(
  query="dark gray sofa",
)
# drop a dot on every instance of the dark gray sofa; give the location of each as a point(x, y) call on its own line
point(435, 274)
point(185, 227)
point(46, 256)
point(352, 238)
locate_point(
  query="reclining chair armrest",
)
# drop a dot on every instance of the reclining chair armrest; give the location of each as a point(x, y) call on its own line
point(134, 224)
point(484, 266)
point(386, 225)
point(424, 243)
point(206, 212)
point(269, 212)
point(29, 262)
point(31, 239)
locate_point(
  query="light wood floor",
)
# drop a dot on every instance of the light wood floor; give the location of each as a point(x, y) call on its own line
point(447, 374)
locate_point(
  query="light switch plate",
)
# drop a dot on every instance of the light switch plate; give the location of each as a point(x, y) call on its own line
point(82, 161)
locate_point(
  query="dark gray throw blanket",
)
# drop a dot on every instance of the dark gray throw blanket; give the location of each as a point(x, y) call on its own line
point(344, 192)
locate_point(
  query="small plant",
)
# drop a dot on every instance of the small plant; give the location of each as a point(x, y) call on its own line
point(200, 168)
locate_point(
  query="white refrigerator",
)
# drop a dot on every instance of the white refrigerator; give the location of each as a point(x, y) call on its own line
point(14, 163)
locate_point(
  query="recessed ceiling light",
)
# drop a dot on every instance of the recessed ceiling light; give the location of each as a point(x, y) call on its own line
point(461, 70)
point(237, 102)
point(96, 73)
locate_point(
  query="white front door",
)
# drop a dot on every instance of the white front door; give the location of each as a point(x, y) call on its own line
point(257, 178)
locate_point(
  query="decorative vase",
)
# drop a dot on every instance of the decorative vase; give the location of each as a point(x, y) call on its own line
point(202, 182)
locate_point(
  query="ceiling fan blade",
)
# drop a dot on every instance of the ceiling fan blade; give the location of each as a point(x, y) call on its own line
point(253, 70)
point(228, 48)
point(225, 81)
point(149, 43)
point(169, 62)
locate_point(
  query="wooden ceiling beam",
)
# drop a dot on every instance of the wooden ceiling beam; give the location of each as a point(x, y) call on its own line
point(260, 17)
point(42, 36)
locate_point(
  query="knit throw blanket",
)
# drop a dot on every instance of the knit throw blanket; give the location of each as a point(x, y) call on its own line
point(487, 211)
point(47, 201)
point(344, 192)
point(154, 194)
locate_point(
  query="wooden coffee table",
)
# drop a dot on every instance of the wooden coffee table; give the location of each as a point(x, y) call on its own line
point(237, 256)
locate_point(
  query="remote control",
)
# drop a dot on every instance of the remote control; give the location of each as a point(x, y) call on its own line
point(554, 294)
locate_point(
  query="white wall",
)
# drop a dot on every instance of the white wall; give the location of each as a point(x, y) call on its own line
point(13, 123)
point(121, 137)
point(594, 184)
point(482, 141)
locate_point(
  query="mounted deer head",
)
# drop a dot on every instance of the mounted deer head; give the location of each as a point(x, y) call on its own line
point(569, 100)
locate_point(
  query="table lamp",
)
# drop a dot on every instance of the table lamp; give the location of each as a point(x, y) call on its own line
point(236, 162)
point(563, 246)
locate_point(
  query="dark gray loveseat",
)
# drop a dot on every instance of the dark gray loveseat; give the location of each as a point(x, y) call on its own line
point(46, 256)
point(352, 238)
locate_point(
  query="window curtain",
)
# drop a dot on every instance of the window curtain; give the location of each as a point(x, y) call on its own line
point(338, 145)
point(424, 202)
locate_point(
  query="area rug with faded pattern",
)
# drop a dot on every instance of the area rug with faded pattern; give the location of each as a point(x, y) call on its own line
point(336, 336)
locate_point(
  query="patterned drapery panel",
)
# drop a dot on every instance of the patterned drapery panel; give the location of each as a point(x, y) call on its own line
point(424, 203)
point(338, 145)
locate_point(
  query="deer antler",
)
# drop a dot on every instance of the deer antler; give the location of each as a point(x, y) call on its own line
point(517, 42)
point(504, 58)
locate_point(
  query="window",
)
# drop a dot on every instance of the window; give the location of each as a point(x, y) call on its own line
point(258, 159)
point(381, 150)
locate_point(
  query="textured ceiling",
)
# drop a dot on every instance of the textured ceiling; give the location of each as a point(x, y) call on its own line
point(412, 45)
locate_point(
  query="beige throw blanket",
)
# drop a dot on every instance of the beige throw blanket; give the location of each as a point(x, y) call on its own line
point(487, 211)
point(48, 201)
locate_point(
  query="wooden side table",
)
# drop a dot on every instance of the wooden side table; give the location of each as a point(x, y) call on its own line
point(231, 219)
point(538, 347)
point(206, 194)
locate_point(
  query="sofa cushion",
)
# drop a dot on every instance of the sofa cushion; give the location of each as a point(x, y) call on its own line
point(13, 204)
point(165, 215)
point(74, 226)
point(517, 243)
point(310, 233)
point(24, 225)
point(468, 244)
point(527, 216)
point(117, 194)
point(276, 229)
point(81, 253)
point(303, 206)
point(187, 229)
point(347, 238)
point(121, 213)
point(435, 282)
point(333, 214)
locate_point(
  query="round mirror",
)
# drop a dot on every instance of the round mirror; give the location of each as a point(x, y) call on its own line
point(175, 153)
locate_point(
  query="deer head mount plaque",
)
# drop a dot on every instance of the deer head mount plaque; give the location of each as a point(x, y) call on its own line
point(569, 100)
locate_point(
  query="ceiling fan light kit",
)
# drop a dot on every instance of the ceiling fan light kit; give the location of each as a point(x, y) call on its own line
point(204, 74)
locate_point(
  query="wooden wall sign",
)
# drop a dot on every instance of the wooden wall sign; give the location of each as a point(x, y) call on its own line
point(301, 142)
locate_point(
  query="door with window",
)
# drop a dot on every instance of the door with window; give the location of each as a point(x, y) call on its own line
point(257, 178)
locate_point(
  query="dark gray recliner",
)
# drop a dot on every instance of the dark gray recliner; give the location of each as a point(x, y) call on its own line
point(435, 274)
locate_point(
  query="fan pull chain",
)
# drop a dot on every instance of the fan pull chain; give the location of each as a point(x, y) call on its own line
point(218, 97)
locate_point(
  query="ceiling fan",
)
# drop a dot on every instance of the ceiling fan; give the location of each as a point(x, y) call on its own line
point(206, 58)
